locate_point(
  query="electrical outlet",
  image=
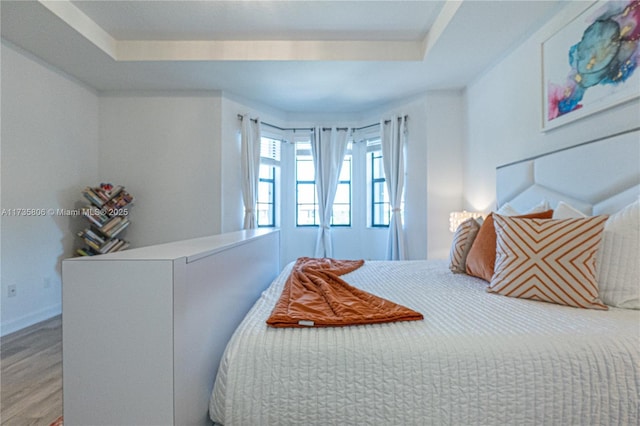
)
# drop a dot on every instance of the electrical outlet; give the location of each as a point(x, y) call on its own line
point(46, 282)
point(12, 291)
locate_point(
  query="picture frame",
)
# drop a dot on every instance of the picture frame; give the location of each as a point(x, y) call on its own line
point(589, 64)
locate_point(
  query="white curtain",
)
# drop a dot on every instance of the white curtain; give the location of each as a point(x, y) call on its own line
point(328, 148)
point(393, 140)
point(250, 168)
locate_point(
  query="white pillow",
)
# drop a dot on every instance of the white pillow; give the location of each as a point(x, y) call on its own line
point(542, 206)
point(508, 210)
point(618, 259)
point(566, 211)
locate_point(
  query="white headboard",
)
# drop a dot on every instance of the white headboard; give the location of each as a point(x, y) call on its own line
point(597, 177)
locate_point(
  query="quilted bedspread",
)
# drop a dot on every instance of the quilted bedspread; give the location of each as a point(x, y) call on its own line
point(314, 295)
point(477, 358)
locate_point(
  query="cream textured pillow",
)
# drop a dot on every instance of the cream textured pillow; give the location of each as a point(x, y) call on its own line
point(462, 241)
point(566, 211)
point(548, 260)
point(618, 259)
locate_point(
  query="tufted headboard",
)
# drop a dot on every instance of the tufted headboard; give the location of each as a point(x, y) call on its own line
point(597, 177)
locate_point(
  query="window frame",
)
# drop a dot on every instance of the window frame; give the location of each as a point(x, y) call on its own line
point(374, 202)
point(311, 183)
point(307, 153)
point(271, 181)
point(272, 161)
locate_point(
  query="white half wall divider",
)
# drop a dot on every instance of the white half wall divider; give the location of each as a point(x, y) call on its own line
point(144, 329)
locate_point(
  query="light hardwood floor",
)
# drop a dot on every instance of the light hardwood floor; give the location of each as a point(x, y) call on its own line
point(31, 375)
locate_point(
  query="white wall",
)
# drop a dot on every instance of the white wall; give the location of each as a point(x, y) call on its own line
point(504, 108)
point(166, 150)
point(49, 154)
point(446, 129)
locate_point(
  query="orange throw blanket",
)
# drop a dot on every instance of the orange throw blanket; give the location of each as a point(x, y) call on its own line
point(314, 295)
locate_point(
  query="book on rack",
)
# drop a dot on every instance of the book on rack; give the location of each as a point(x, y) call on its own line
point(121, 200)
point(101, 193)
point(107, 247)
point(114, 245)
point(92, 244)
point(92, 197)
point(114, 231)
point(88, 233)
point(107, 217)
point(118, 246)
point(111, 224)
point(93, 219)
point(94, 214)
point(82, 235)
point(115, 191)
point(84, 252)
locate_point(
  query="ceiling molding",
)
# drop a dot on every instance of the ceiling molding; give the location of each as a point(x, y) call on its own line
point(444, 18)
point(84, 25)
point(269, 50)
point(246, 50)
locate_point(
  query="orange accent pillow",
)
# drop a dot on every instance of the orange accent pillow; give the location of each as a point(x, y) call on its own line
point(482, 257)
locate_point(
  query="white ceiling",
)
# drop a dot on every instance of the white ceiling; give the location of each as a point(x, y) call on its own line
point(258, 20)
point(296, 56)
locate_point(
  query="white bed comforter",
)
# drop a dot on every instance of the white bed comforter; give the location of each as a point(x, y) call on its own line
point(477, 358)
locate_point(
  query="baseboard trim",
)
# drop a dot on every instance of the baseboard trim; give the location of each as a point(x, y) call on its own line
point(30, 319)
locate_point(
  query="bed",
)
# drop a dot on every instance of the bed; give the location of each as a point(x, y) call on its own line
point(477, 357)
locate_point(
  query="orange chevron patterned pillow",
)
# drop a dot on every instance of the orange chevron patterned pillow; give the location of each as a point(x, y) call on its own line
point(548, 260)
point(462, 241)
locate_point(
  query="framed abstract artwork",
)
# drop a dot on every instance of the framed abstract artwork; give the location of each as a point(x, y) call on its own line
point(590, 63)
